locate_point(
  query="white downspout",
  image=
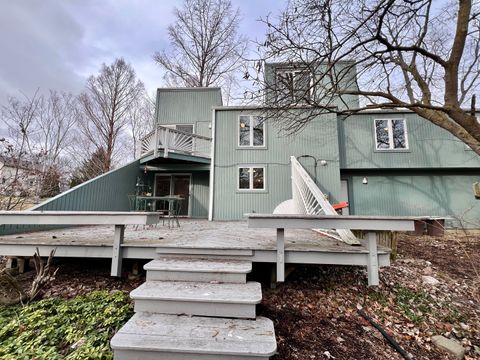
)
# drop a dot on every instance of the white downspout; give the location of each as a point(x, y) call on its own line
point(212, 170)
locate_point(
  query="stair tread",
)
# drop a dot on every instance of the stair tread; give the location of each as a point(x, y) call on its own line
point(248, 293)
point(186, 264)
point(201, 335)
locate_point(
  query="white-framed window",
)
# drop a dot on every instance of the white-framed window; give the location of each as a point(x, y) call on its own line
point(251, 178)
point(293, 85)
point(391, 134)
point(251, 131)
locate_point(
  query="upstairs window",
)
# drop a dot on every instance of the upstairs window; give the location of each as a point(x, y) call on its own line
point(251, 131)
point(251, 178)
point(293, 86)
point(391, 134)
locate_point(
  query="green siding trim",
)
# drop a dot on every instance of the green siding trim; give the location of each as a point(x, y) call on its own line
point(417, 194)
point(188, 106)
point(107, 192)
point(429, 145)
point(318, 139)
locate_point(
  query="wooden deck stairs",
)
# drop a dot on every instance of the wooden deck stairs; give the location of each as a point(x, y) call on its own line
point(196, 308)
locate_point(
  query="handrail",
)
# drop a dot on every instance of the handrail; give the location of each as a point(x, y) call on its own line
point(310, 200)
point(173, 140)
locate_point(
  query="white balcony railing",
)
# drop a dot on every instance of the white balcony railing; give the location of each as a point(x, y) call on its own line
point(170, 140)
point(308, 199)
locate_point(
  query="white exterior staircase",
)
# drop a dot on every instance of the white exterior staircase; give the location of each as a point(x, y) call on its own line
point(196, 308)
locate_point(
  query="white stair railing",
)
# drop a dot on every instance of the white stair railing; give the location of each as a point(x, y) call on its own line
point(172, 140)
point(308, 199)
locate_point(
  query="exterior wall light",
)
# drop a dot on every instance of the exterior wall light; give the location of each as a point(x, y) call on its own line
point(365, 181)
point(323, 162)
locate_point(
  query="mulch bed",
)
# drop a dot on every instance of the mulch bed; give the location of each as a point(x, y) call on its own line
point(315, 310)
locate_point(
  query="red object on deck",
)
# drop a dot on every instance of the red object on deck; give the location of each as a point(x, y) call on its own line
point(340, 205)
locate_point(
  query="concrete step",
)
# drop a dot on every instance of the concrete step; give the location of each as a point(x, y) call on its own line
point(200, 270)
point(194, 298)
point(149, 336)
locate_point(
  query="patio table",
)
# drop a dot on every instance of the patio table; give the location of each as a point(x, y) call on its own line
point(174, 202)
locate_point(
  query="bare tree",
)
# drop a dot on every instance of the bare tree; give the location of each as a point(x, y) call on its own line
point(141, 121)
point(18, 166)
point(205, 46)
point(106, 103)
point(421, 55)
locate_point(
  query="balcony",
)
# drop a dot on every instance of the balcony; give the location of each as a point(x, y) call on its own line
point(164, 140)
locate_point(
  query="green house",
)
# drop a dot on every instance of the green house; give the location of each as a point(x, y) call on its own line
point(225, 161)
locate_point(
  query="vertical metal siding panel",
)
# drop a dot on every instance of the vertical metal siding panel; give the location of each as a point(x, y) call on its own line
point(319, 139)
point(437, 195)
point(188, 106)
point(200, 194)
point(87, 196)
point(429, 145)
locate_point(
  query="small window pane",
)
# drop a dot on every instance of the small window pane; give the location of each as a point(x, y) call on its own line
point(381, 129)
point(258, 178)
point(398, 130)
point(244, 178)
point(284, 87)
point(244, 130)
point(302, 86)
point(258, 130)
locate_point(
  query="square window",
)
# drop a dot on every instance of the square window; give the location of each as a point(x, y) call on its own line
point(251, 131)
point(293, 86)
point(251, 178)
point(391, 134)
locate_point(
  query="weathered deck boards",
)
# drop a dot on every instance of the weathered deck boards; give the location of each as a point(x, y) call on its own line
point(200, 299)
point(231, 239)
point(248, 293)
point(160, 336)
point(192, 234)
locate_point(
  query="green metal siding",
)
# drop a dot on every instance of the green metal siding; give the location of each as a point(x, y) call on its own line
point(188, 106)
point(107, 192)
point(429, 145)
point(199, 195)
point(417, 194)
point(318, 139)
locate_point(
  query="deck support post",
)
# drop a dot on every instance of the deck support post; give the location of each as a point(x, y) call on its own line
point(372, 262)
point(117, 251)
point(280, 255)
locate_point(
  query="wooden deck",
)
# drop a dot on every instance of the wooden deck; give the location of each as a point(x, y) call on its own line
point(197, 237)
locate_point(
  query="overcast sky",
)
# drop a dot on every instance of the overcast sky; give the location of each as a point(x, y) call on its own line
point(53, 44)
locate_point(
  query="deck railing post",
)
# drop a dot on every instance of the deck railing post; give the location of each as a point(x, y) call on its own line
point(280, 255)
point(116, 269)
point(372, 262)
point(156, 142)
point(167, 142)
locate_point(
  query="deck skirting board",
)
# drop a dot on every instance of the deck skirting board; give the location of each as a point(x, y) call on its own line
point(142, 252)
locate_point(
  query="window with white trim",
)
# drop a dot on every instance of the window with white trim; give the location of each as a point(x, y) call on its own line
point(251, 131)
point(391, 134)
point(293, 85)
point(251, 178)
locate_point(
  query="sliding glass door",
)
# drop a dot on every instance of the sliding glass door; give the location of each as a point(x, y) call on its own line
point(174, 184)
